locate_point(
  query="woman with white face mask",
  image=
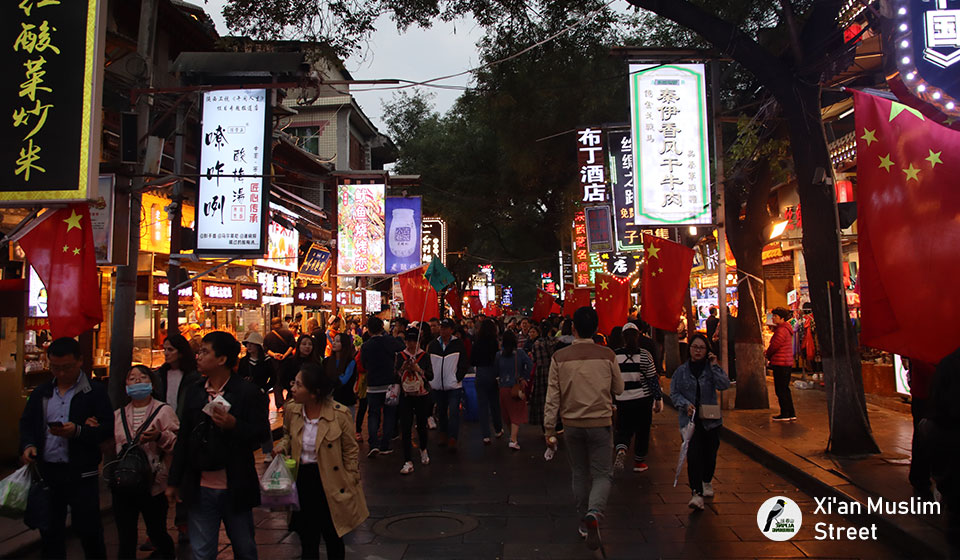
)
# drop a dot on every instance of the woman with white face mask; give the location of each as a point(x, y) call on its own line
point(156, 440)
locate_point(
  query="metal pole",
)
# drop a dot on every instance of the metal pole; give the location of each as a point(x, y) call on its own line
point(121, 341)
point(721, 216)
point(175, 213)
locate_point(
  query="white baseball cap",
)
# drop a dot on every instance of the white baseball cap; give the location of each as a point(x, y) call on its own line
point(631, 326)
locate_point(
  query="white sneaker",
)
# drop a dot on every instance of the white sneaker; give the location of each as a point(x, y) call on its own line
point(707, 489)
point(514, 445)
point(431, 423)
point(408, 468)
point(424, 457)
point(696, 502)
point(619, 461)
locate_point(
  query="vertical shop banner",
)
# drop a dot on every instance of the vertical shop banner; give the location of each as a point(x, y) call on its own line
point(591, 163)
point(360, 243)
point(599, 232)
point(234, 162)
point(52, 101)
point(101, 218)
point(668, 119)
point(581, 255)
point(403, 217)
point(620, 155)
point(434, 240)
point(282, 246)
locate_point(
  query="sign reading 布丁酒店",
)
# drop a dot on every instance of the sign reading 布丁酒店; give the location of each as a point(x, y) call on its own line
point(668, 121)
point(50, 146)
point(233, 189)
point(360, 230)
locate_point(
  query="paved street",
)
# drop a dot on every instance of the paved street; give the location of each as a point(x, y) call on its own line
point(513, 505)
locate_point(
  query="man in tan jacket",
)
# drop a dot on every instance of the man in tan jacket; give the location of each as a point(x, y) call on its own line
point(584, 377)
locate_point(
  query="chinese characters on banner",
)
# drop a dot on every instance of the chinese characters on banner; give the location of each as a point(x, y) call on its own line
point(51, 103)
point(232, 193)
point(434, 240)
point(282, 246)
point(590, 161)
point(360, 231)
point(403, 233)
point(581, 256)
point(316, 262)
point(669, 129)
point(620, 154)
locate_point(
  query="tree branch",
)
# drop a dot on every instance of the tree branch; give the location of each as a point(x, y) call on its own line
point(724, 36)
point(791, 21)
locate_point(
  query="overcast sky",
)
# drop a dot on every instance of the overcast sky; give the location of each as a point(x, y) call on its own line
point(417, 55)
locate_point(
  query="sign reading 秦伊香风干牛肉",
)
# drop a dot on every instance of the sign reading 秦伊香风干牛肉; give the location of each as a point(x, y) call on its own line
point(233, 187)
point(50, 146)
point(668, 121)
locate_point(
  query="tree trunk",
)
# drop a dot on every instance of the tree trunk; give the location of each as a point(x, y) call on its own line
point(850, 432)
point(671, 352)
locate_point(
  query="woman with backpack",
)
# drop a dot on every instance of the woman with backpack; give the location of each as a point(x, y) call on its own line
point(413, 366)
point(152, 425)
point(317, 435)
point(513, 368)
point(341, 366)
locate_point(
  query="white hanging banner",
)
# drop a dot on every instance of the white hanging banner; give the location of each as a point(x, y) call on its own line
point(233, 191)
point(668, 121)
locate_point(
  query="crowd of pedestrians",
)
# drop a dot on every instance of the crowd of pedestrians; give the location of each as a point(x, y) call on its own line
point(199, 420)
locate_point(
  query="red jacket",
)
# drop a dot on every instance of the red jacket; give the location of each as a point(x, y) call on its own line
point(780, 351)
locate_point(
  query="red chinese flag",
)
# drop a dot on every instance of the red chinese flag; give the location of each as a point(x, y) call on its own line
point(574, 299)
point(909, 200)
point(452, 296)
point(60, 248)
point(555, 309)
point(421, 302)
point(492, 310)
point(613, 302)
point(476, 306)
point(666, 276)
point(543, 305)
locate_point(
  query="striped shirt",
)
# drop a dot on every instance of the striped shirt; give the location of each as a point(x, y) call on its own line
point(639, 375)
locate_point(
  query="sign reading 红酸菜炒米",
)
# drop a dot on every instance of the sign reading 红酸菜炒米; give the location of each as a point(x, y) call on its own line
point(316, 262)
point(282, 245)
point(620, 154)
point(590, 162)
point(233, 189)
point(668, 121)
point(360, 229)
point(402, 233)
point(51, 144)
point(217, 292)
point(599, 232)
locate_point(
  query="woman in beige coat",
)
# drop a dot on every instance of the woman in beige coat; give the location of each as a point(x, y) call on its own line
point(318, 434)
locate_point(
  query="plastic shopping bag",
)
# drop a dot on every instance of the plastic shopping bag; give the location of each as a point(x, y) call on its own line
point(277, 480)
point(14, 491)
point(281, 502)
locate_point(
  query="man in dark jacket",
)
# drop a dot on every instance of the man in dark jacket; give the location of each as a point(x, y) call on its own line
point(449, 361)
point(61, 430)
point(378, 355)
point(213, 469)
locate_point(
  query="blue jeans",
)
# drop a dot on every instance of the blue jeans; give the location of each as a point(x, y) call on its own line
point(488, 401)
point(448, 411)
point(205, 515)
point(376, 403)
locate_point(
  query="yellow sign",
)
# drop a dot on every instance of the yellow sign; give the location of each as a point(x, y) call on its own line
point(50, 147)
point(155, 224)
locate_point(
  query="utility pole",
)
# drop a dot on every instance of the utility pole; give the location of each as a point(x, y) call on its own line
point(175, 213)
point(121, 341)
point(721, 216)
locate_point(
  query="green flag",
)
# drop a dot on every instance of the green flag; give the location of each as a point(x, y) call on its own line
point(438, 275)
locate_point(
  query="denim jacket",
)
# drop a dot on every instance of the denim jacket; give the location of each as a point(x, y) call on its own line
point(683, 390)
